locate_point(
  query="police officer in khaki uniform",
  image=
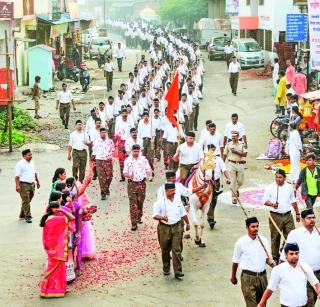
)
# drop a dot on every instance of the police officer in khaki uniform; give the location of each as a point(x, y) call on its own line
point(169, 211)
point(235, 152)
point(251, 254)
point(36, 93)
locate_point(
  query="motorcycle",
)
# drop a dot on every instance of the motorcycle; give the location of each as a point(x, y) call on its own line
point(84, 77)
point(67, 73)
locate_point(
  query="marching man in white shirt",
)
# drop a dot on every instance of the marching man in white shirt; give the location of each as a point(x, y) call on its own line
point(308, 239)
point(63, 104)
point(280, 197)
point(25, 176)
point(228, 52)
point(103, 151)
point(291, 278)
point(119, 56)
point(213, 137)
point(108, 73)
point(234, 70)
point(133, 140)
point(77, 149)
point(251, 254)
point(136, 170)
point(235, 125)
point(170, 212)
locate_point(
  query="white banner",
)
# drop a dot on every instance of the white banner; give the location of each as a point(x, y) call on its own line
point(314, 32)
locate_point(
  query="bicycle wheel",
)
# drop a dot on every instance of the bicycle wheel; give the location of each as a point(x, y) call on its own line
point(283, 133)
point(274, 127)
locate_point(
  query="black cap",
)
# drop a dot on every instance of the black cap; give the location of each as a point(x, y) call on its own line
point(281, 172)
point(54, 204)
point(26, 151)
point(306, 212)
point(191, 134)
point(170, 174)
point(103, 129)
point(133, 130)
point(211, 146)
point(251, 220)
point(135, 147)
point(294, 247)
point(169, 186)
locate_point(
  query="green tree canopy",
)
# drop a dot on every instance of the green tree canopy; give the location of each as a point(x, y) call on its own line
point(183, 11)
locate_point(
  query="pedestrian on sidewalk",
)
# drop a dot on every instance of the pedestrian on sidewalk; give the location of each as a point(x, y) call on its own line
point(280, 197)
point(309, 180)
point(77, 149)
point(250, 254)
point(103, 151)
point(169, 212)
point(108, 73)
point(25, 176)
point(119, 56)
point(291, 278)
point(136, 170)
point(235, 152)
point(63, 104)
point(36, 94)
point(234, 70)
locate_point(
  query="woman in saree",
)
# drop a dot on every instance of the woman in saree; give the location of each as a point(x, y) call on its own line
point(55, 225)
point(60, 175)
point(88, 248)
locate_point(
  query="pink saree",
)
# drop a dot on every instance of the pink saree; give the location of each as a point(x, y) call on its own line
point(55, 242)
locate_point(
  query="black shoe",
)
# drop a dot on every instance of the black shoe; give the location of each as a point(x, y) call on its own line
point(140, 222)
point(122, 179)
point(197, 242)
point(166, 273)
point(94, 178)
point(108, 192)
point(28, 220)
point(181, 258)
point(178, 276)
point(134, 227)
point(103, 197)
point(211, 223)
point(66, 127)
point(234, 94)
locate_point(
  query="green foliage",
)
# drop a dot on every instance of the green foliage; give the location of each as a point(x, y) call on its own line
point(183, 11)
point(22, 121)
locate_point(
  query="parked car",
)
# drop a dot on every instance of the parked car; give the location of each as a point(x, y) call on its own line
point(100, 45)
point(216, 47)
point(88, 35)
point(248, 52)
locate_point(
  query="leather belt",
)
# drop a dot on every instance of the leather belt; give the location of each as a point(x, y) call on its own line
point(247, 272)
point(173, 143)
point(79, 150)
point(237, 162)
point(146, 138)
point(129, 180)
point(281, 214)
point(170, 225)
point(23, 182)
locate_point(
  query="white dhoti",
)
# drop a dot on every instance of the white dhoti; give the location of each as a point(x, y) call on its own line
point(294, 149)
point(295, 166)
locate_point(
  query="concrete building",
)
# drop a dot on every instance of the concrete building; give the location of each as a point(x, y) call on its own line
point(263, 20)
point(216, 8)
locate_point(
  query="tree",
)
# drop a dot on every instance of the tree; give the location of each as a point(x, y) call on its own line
point(183, 11)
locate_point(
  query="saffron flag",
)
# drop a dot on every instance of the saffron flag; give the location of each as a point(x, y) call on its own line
point(172, 98)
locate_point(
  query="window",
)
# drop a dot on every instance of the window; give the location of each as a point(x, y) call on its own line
point(261, 2)
point(248, 2)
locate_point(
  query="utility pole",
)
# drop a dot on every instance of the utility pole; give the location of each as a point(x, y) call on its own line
point(9, 93)
point(104, 13)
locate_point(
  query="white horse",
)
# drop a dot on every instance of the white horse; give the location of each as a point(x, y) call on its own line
point(200, 201)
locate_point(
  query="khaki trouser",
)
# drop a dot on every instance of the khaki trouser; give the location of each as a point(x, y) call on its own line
point(285, 223)
point(234, 77)
point(228, 59)
point(136, 195)
point(236, 171)
point(185, 170)
point(252, 288)
point(105, 175)
point(213, 203)
point(170, 238)
point(26, 194)
point(90, 155)
point(186, 123)
point(109, 79)
point(171, 149)
point(79, 163)
point(312, 295)
point(191, 120)
point(147, 151)
point(36, 103)
point(64, 113)
point(157, 144)
point(196, 116)
point(111, 128)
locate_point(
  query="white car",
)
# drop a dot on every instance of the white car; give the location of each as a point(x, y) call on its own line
point(100, 45)
point(248, 52)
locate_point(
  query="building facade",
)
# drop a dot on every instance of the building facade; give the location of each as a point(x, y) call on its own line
point(216, 9)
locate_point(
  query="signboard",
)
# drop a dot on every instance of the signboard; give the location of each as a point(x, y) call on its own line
point(232, 7)
point(314, 32)
point(28, 7)
point(6, 10)
point(265, 22)
point(297, 28)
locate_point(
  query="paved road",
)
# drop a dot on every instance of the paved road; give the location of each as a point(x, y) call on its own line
point(128, 270)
